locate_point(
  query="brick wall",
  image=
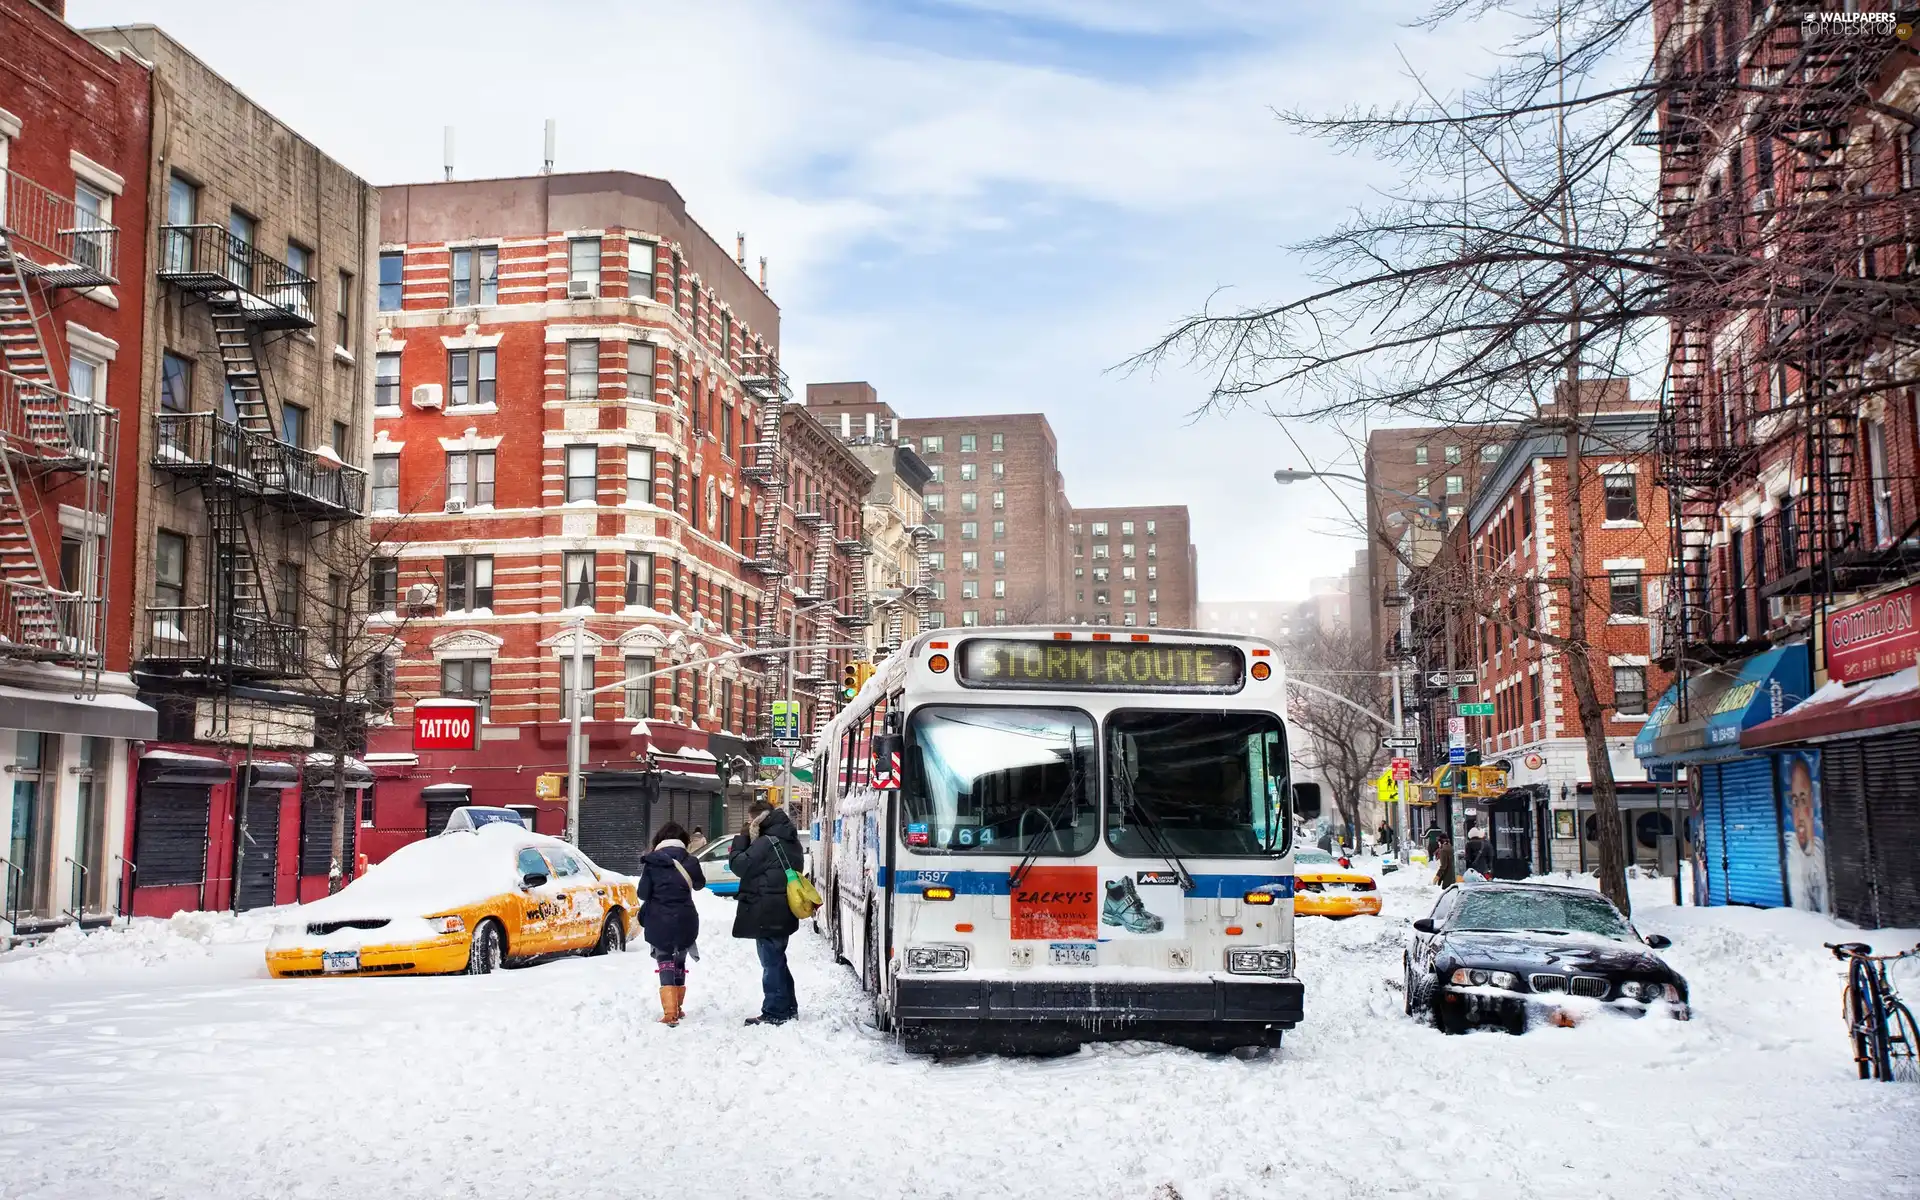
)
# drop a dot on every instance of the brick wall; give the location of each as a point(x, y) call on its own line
point(1154, 542)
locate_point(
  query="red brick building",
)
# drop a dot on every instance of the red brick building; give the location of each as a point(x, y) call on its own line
point(577, 426)
point(74, 140)
point(1133, 566)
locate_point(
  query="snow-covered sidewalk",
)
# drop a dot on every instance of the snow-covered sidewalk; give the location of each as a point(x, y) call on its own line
point(159, 1061)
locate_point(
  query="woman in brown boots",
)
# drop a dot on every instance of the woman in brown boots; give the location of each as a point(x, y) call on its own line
point(669, 875)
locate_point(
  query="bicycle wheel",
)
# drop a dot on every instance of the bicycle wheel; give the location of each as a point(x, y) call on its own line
point(1902, 1045)
point(1864, 1017)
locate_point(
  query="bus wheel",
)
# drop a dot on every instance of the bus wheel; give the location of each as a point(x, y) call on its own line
point(833, 925)
point(871, 980)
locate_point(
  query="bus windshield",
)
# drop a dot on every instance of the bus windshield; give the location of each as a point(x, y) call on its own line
point(1000, 781)
point(1196, 784)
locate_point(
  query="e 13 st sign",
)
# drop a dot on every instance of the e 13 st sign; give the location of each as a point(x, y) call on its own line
point(446, 725)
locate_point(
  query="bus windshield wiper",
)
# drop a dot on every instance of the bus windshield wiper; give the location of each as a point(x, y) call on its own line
point(1070, 797)
point(1150, 829)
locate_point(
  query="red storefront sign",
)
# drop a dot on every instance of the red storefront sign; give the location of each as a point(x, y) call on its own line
point(1877, 637)
point(446, 725)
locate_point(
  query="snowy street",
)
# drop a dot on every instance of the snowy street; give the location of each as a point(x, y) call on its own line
point(160, 1061)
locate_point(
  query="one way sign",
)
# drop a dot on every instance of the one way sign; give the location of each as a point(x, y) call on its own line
point(1451, 678)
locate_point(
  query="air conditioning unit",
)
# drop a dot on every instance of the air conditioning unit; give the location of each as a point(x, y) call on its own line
point(456, 504)
point(699, 623)
point(1776, 608)
point(1763, 200)
point(426, 395)
point(422, 595)
point(582, 289)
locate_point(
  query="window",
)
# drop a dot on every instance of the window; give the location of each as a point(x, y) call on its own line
point(1453, 454)
point(1100, 574)
point(639, 691)
point(583, 265)
point(383, 585)
point(1490, 453)
point(1455, 485)
point(999, 442)
point(476, 275)
point(169, 579)
point(1880, 483)
point(639, 475)
point(583, 370)
point(343, 312)
point(969, 501)
point(1153, 595)
point(469, 477)
point(999, 560)
point(1623, 498)
point(300, 268)
point(936, 501)
point(1127, 619)
point(583, 473)
point(288, 594)
point(999, 470)
point(936, 619)
point(183, 208)
point(1629, 691)
point(1126, 529)
point(969, 560)
point(1624, 594)
point(640, 258)
point(337, 440)
point(939, 590)
point(968, 472)
point(240, 231)
point(1099, 529)
point(1103, 598)
point(938, 530)
point(1420, 485)
point(999, 500)
point(970, 617)
point(966, 443)
point(469, 582)
point(1126, 573)
point(639, 370)
point(567, 687)
point(392, 268)
point(468, 679)
point(1126, 550)
point(999, 616)
point(999, 589)
point(386, 380)
point(969, 531)
point(1419, 456)
point(1153, 572)
point(932, 444)
point(176, 382)
point(1153, 618)
point(970, 589)
point(293, 425)
point(1127, 596)
point(999, 531)
point(576, 587)
point(939, 475)
point(382, 680)
point(470, 377)
point(936, 560)
point(386, 483)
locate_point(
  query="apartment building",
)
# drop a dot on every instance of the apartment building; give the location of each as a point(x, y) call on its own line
point(578, 448)
point(997, 513)
point(74, 127)
point(1133, 566)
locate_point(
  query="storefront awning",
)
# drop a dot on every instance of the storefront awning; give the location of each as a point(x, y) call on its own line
point(104, 715)
point(1838, 710)
point(1721, 702)
point(170, 766)
point(446, 791)
point(272, 774)
point(320, 771)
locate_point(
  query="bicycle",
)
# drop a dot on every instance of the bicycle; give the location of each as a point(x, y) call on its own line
point(1886, 1042)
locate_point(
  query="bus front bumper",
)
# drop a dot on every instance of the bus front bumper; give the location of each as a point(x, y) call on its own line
point(1107, 1007)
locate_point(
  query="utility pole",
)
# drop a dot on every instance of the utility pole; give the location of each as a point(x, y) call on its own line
point(1399, 785)
point(578, 699)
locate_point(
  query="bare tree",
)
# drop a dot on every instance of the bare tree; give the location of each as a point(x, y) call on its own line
point(1527, 246)
point(1342, 743)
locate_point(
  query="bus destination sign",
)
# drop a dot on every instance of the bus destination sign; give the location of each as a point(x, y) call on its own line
point(1101, 666)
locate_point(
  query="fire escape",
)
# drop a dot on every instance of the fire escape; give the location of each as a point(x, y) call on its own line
point(918, 591)
point(1816, 84)
point(242, 469)
point(767, 470)
point(56, 448)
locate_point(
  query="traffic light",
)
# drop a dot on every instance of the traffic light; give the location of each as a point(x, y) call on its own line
point(850, 681)
point(864, 672)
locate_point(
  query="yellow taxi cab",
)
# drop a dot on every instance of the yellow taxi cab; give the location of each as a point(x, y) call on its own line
point(471, 899)
point(1324, 888)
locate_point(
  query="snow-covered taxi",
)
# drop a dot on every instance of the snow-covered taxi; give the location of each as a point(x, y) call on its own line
point(1324, 888)
point(467, 900)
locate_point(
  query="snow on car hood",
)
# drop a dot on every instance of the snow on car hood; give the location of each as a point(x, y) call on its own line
point(1571, 951)
point(432, 876)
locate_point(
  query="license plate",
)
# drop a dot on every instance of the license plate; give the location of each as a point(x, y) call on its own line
point(1070, 954)
point(337, 962)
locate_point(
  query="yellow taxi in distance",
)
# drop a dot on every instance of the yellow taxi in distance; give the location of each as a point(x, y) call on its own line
point(1324, 888)
point(469, 900)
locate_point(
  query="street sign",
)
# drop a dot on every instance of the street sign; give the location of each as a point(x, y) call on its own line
point(1457, 729)
point(1456, 756)
point(1442, 679)
point(786, 720)
point(1401, 743)
point(786, 743)
point(1469, 708)
point(1403, 772)
point(772, 760)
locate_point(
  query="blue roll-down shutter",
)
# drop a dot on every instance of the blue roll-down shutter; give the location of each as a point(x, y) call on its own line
point(1747, 858)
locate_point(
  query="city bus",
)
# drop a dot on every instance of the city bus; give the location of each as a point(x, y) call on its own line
point(1033, 837)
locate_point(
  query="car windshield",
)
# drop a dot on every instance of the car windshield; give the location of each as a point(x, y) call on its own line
point(719, 849)
point(1541, 911)
point(1318, 857)
point(1196, 783)
point(997, 780)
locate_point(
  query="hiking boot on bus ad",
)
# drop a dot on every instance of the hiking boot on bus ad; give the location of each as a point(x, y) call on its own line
point(1123, 908)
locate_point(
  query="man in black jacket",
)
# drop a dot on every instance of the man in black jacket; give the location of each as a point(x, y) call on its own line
point(1479, 853)
point(764, 850)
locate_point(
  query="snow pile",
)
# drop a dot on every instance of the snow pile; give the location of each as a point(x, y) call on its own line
point(186, 937)
point(422, 878)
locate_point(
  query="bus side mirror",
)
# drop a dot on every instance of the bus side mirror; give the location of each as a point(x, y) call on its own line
point(885, 747)
point(1306, 800)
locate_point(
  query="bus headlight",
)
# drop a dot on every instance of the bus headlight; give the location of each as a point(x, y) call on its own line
point(936, 958)
point(1259, 960)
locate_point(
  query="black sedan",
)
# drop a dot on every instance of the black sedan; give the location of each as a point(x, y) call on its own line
point(1503, 954)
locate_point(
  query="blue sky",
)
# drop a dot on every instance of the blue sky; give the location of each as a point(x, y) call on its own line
point(977, 205)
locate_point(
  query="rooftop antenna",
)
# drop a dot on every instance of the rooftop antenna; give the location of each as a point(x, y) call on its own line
point(446, 156)
point(740, 250)
point(763, 272)
point(547, 167)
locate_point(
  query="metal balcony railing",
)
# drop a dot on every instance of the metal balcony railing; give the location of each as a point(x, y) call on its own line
point(211, 262)
point(50, 625)
point(199, 636)
point(302, 481)
point(54, 238)
point(50, 427)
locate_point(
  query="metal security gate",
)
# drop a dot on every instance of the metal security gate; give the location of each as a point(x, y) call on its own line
point(1843, 818)
point(316, 831)
point(1743, 833)
point(1870, 805)
point(256, 867)
point(170, 834)
point(615, 808)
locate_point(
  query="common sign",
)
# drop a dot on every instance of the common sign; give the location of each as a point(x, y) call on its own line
point(1875, 637)
point(446, 725)
point(1094, 667)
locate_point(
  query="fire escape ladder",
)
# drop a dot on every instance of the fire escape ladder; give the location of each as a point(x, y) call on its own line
point(233, 334)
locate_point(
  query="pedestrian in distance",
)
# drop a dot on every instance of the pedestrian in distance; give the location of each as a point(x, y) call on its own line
point(1443, 874)
point(764, 850)
point(669, 876)
point(698, 841)
point(1479, 854)
point(1433, 842)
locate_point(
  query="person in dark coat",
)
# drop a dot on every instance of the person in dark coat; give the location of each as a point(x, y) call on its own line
point(1479, 853)
point(1443, 873)
point(669, 875)
point(766, 847)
